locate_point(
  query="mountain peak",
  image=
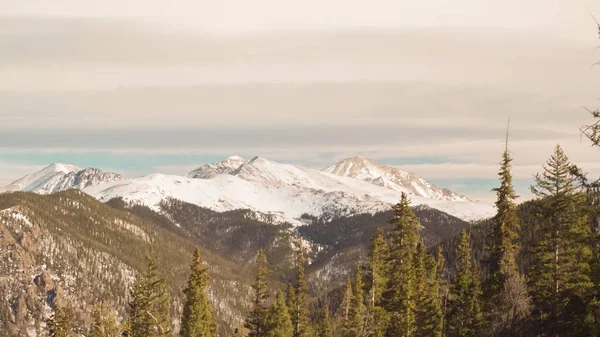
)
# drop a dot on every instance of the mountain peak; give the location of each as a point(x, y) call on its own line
point(59, 177)
point(366, 169)
point(60, 167)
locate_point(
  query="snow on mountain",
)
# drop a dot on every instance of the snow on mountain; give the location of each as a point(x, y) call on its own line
point(283, 190)
point(209, 171)
point(59, 177)
point(391, 177)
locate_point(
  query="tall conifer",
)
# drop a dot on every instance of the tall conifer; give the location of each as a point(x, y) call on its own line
point(400, 289)
point(507, 302)
point(464, 311)
point(197, 319)
point(257, 323)
point(560, 277)
point(150, 304)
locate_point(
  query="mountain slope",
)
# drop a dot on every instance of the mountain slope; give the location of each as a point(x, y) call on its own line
point(69, 246)
point(60, 177)
point(391, 177)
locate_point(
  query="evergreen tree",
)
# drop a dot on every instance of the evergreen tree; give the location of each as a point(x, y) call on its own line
point(399, 293)
point(325, 329)
point(428, 310)
point(346, 303)
point(301, 320)
point(560, 276)
point(197, 319)
point(354, 326)
point(60, 323)
point(104, 323)
point(290, 301)
point(506, 293)
point(280, 324)
point(443, 291)
point(376, 277)
point(150, 303)
point(257, 323)
point(464, 312)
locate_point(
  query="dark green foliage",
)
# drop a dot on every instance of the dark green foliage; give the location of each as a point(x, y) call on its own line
point(197, 319)
point(400, 291)
point(150, 304)
point(301, 318)
point(428, 303)
point(257, 322)
point(325, 329)
point(507, 302)
point(464, 306)
point(354, 325)
point(377, 319)
point(560, 275)
point(280, 322)
point(60, 323)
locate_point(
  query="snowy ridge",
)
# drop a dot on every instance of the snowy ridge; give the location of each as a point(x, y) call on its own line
point(391, 177)
point(209, 171)
point(60, 177)
point(282, 190)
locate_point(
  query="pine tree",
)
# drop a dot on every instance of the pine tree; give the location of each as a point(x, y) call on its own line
point(506, 292)
point(280, 322)
point(301, 320)
point(60, 323)
point(346, 303)
point(464, 312)
point(290, 301)
point(376, 279)
point(325, 329)
point(354, 326)
point(150, 303)
point(560, 274)
point(104, 323)
point(399, 293)
point(443, 292)
point(428, 308)
point(197, 319)
point(257, 322)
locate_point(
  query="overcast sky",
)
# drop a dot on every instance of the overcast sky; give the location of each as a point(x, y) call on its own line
point(426, 85)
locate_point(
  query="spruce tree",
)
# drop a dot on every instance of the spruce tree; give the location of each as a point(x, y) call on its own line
point(356, 313)
point(197, 319)
point(104, 323)
point(258, 321)
point(464, 312)
point(150, 304)
point(60, 323)
point(400, 289)
point(507, 302)
point(346, 303)
point(325, 329)
point(428, 307)
point(280, 322)
point(376, 279)
point(560, 275)
point(301, 320)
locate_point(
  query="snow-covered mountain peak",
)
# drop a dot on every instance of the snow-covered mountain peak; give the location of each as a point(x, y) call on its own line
point(209, 171)
point(59, 177)
point(60, 167)
point(391, 177)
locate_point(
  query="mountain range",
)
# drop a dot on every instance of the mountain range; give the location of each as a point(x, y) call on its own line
point(283, 192)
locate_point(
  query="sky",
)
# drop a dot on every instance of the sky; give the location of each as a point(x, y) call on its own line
point(143, 86)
